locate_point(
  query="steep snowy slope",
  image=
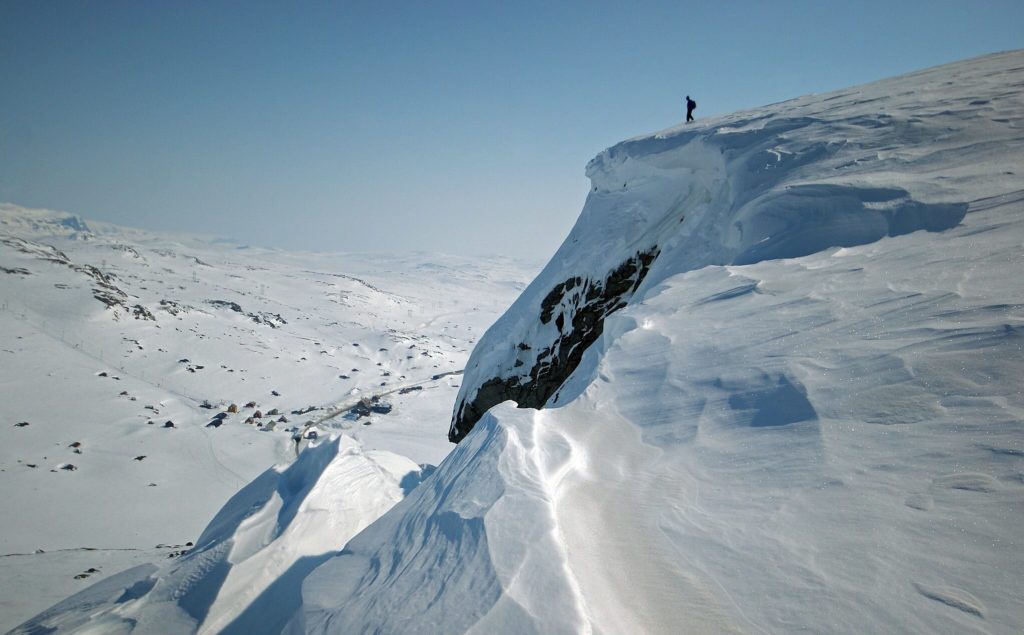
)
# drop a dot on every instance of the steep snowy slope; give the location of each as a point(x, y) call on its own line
point(800, 408)
point(109, 333)
point(769, 383)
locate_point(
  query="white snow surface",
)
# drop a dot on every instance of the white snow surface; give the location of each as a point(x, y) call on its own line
point(808, 417)
point(242, 576)
point(333, 328)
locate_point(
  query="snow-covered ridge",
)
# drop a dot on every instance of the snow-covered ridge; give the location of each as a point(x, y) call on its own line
point(806, 416)
point(19, 220)
point(797, 336)
point(836, 170)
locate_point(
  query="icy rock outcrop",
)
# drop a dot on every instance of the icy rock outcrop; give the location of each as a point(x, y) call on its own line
point(577, 307)
point(783, 182)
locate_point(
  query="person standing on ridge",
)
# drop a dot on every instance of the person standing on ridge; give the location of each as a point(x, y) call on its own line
point(690, 105)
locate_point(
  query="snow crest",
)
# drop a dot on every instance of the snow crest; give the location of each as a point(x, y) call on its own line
point(787, 181)
point(809, 399)
point(803, 414)
point(244, 574)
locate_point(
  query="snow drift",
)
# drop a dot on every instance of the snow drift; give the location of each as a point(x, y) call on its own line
point(244, 573)
point(770, 382)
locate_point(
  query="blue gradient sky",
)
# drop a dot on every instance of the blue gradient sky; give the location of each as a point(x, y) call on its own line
point(461, 127)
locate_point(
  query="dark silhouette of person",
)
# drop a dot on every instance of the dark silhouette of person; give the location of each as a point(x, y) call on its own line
point(690, 105)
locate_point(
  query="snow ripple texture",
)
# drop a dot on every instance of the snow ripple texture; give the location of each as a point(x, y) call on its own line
point(808, 417)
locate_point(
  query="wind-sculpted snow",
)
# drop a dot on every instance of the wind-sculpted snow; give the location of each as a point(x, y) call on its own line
point(806, 416)
point(244, 574)
point(431, 567)
point(789, 345)
point(786, 181)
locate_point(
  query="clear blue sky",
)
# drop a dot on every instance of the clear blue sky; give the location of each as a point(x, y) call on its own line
point(461, 127)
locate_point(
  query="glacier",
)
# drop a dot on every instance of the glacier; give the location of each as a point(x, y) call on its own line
point(770, 382)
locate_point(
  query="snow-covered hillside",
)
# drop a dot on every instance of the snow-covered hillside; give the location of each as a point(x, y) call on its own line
point(114, 341)
point(769, 383)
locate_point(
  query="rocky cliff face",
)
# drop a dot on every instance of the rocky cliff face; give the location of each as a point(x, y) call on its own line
point(578, 307)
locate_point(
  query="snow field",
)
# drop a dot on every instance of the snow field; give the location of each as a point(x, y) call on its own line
point(804, 415)
point(352, 326)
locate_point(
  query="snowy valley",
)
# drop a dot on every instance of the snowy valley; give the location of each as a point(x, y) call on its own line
point(147, 378)
point(770, 382)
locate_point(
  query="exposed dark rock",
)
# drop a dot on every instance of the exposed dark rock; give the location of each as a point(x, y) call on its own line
point(361, 409)
point(139, 457)
point(173, 307)
point(142, 313)
point(16, 270)
point(224, 304)
point(21, 424)
point(127, 250)
point(273, 320)
point(40, 250)
point(406, 391)
point(112, 298)
point(233, 408)
point(579, 307)
point(168, 424)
